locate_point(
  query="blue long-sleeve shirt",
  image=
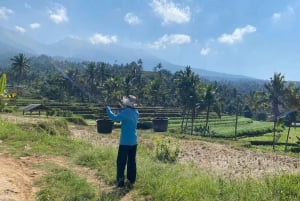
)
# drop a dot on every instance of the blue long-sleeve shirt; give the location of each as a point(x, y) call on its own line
point(129, 119)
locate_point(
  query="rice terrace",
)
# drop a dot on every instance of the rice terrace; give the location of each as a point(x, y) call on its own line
point(198, 140)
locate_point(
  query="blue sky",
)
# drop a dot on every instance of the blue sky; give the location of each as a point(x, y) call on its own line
point(248, 37)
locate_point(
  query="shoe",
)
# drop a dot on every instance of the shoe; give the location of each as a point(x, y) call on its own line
point(131, 182)
point(120, 184)
point(129, 185)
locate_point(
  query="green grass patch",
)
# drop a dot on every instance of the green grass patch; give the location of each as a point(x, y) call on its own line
point(62, 184)
point(101, 159)
point(156, 180)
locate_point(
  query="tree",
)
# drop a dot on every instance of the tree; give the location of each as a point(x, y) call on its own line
point(294, 103)
point(112, 87)
point(276, 94)
point(237, 111)
point(188, 93)
point(291, 118)
point(20, 66)
point(209, 103)
point(251, 104)
point(91, 76)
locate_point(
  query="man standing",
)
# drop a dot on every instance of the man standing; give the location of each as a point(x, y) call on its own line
point(128, 115)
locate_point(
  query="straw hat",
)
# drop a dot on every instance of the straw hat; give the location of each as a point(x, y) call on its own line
point(129, 101)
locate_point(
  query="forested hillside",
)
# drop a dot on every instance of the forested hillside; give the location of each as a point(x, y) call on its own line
point(48, 78)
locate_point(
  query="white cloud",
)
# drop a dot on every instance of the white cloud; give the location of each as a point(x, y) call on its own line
point(132, 19)
point(173, 39)
point(286, 14)
point(58, 14)
point(5, 12)
point(276, 17)
point(237, 35)
point(98, 38)
point(205, 51)
point(20, 29)
point(170, 12)
point(35, 25)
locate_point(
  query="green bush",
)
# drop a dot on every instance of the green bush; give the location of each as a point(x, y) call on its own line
point(166, 150)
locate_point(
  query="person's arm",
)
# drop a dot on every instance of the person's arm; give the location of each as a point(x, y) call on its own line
point(113, 116)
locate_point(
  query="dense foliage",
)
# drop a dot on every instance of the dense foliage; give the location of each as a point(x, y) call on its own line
point(65, 81)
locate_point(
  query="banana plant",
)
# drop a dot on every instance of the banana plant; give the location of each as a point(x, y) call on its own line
point(3, 95)
point(2, 84)
point(2, 91)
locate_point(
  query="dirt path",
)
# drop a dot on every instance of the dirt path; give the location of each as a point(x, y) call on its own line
point(16, 180)
point(17, 176)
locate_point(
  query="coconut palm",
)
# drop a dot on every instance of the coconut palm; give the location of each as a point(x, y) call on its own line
point(91, 76)
point(293, 100)
point(276, 94)
point(209, 103)
point(188, 91)
point(20, 66)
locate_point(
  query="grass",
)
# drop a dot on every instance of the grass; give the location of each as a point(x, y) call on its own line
point(156, 180)
point(62, 184)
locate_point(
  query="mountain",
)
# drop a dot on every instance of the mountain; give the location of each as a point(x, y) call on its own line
point(12, 43)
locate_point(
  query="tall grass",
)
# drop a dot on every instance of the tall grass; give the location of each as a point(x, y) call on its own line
point(156, 180)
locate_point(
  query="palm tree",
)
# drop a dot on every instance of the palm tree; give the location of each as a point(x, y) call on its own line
point(91, 76)
point(276, 94)
point(20, 66)
point(237, 111)
point(291, 118)
point(209, 101)
point(188, 91)
point(294, 104)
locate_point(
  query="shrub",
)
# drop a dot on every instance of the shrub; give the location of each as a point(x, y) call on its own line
point(166, 150)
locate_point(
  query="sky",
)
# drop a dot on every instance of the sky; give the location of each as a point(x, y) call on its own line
point(255, 38)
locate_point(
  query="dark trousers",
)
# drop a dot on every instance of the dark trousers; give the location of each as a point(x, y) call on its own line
point(126, 155)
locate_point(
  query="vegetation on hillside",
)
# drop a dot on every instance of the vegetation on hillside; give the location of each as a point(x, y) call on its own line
point(66, 82)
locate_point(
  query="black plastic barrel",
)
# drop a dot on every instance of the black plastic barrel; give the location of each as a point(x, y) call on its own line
point(160, 124)
point(104, 125)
